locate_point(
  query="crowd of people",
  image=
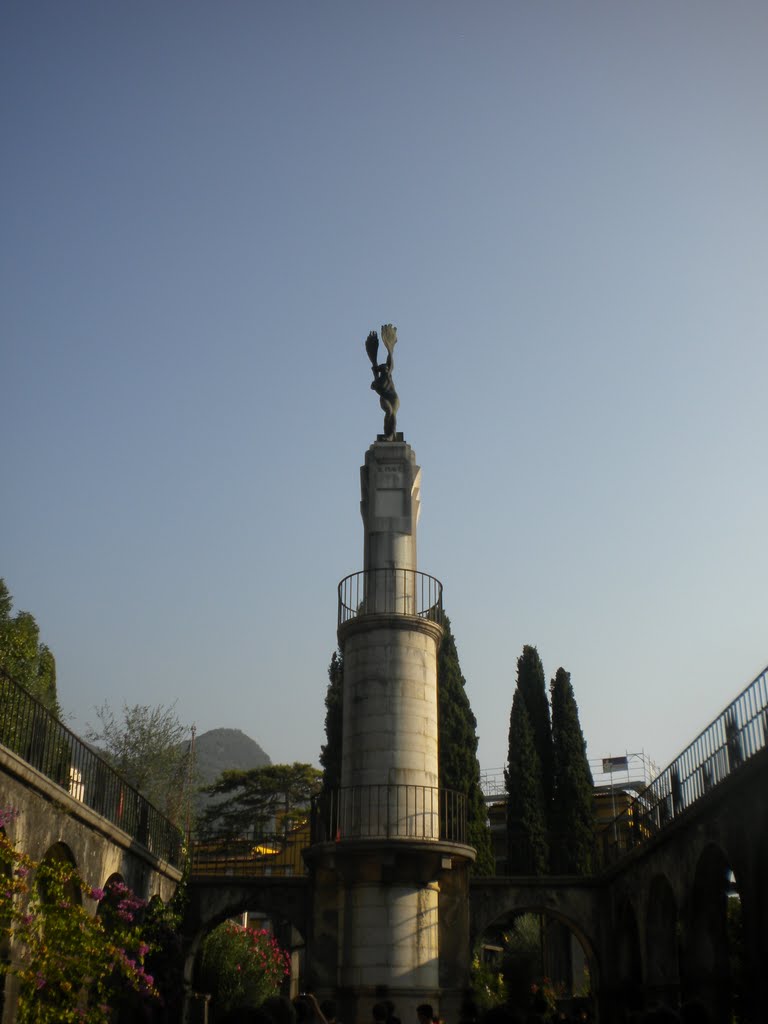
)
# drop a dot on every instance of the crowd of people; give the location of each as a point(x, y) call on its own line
point(305, 1009)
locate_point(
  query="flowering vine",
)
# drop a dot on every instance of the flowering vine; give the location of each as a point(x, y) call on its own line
point(73, 968)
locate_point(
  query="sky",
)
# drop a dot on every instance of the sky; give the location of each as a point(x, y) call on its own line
point(204, 210)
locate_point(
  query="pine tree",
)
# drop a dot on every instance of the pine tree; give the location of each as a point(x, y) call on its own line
point(527, 852)
point(459, 768)
point(572, 817)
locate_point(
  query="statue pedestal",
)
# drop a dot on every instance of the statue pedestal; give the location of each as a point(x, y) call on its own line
point(390, 484)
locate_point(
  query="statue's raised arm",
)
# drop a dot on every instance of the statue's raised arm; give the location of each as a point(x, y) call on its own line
point(383, 384)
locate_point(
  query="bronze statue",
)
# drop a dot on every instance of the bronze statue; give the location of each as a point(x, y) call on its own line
point(383, 384)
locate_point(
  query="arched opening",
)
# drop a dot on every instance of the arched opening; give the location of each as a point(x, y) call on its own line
point(662, 974)
point(536, 961)
point(241, 925)
point(108, 889)
point(712, 951)
point(58, 856)
point(627, 993)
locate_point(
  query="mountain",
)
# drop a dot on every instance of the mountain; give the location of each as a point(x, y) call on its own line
point(220, 749)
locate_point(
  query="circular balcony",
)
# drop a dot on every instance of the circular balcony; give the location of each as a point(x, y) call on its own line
point(391, 592)
point(401, 812)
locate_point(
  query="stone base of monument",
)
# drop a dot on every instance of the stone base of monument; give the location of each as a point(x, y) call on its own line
point(391, 921)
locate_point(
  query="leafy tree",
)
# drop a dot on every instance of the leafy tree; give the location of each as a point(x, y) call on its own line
point(533, 689)
point(263, 801)
point(148, 747)
point(527, 851)
point(330, 752)
point(573, 816)
point(458, 765)
point(23, 657)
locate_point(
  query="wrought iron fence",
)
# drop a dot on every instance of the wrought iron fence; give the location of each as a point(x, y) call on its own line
point(269, 855)
point(29, 729)
point(390, 592)
point(736, 735)
point(390, 812)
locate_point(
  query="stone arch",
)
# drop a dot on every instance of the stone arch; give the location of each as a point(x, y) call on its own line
point(60, 853)
point(521, 902)
point(491, 900)
point(704, 948)
point(629, 958)
point(104, 901)
point(662, 972)
point(210, 905)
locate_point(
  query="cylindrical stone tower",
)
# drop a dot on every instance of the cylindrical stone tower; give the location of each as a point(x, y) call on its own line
point(394, 857)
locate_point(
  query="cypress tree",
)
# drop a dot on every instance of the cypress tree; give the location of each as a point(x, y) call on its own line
point(330, 751)
point(572, 811)
point(532, 686)
point(527, 852)
point(459, 768)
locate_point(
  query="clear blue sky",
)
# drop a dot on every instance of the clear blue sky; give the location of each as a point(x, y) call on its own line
point(563, 207)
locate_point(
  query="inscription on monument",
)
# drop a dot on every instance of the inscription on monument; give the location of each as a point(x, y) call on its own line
point(390, 476)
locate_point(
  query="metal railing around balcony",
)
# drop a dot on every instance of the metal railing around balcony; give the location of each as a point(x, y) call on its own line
point(29, 729)
point(391, 592)
point(732, 739)
point(390, 812)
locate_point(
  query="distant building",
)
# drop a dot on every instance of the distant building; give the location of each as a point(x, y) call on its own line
point(618, 781)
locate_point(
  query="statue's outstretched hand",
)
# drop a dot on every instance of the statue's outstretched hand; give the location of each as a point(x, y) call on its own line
point(389, 336)
point(372, 347)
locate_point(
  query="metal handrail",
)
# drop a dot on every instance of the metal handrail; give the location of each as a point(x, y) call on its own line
point(391, 592)
point(732, 739)
point(32, 732)
point(268, 856)
point(390, 812)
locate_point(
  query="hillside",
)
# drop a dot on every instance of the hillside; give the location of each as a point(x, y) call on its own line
point(220, 749)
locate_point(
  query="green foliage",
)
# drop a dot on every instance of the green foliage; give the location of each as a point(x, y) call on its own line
point(458, 765)
point(23, 657)
point(533, 689)
point(241, 966)
point(330, 752)
point(527, 851)
point(489, 988)
point(146, 746)
point(555, 812)
point(263, 801)
point(71, 966)
point(572, 813)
